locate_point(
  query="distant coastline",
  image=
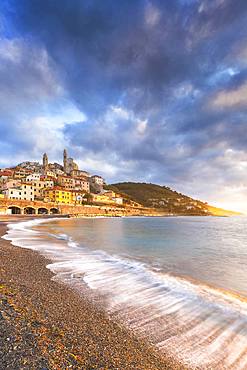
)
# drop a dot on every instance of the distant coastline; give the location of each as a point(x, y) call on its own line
point(51, 188)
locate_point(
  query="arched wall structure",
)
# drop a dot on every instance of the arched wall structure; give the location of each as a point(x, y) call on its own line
point(54, 211)
point(43, 211)
point(14, 210)
point(29, 211)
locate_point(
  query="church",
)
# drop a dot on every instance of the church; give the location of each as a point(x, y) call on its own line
point(69, 166)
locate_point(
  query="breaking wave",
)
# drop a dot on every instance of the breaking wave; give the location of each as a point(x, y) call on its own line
point(200, 326)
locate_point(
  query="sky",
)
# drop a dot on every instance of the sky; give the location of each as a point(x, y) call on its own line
point(136, 90)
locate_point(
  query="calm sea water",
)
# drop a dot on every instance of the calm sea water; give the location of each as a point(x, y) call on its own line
point(181, 282)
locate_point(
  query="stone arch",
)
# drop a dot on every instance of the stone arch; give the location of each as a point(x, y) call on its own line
point(29, 211)
point(54, 211)
point(43, 211)
point(14, 210)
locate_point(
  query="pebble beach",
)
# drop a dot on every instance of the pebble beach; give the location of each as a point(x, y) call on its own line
point(47, 325)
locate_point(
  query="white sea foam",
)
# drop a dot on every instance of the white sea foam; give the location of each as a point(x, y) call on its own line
point(200, 326)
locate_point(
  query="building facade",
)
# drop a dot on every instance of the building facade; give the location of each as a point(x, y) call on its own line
point(33, 177)
point(60, 195)
point(23, 192)
point(79, 173)
point(66, 181)
point(81, 184)
point(97, 180)
point(12, 183)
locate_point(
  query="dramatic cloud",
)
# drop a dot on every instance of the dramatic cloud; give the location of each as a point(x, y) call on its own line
point(148, 90)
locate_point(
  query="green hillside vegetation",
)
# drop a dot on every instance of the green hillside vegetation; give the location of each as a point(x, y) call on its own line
point(164, 199)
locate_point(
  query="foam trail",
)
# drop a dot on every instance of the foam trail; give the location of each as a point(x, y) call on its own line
point(200, 326)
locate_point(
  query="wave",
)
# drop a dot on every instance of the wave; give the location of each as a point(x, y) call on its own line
point(200, 326)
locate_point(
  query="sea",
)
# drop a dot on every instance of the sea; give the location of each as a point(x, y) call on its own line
point(180, 282)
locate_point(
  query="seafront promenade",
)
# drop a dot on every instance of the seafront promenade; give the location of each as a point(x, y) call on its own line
point(24, 207)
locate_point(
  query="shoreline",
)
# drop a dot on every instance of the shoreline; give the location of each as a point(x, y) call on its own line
point(46, 324)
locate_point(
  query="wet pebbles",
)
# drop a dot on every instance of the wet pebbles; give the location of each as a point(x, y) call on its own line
point(46, 325)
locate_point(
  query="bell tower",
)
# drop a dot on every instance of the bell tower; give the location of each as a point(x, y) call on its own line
point(45, 162)
point(65, 161)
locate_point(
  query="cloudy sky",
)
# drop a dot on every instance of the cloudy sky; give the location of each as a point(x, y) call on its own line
point(142, 90)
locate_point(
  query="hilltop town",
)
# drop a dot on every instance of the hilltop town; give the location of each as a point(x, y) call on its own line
point(60, 184)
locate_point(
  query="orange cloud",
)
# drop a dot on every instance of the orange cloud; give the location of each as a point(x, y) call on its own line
point(229, 99)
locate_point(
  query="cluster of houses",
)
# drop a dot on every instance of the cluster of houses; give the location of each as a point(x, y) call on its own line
point(53, 182)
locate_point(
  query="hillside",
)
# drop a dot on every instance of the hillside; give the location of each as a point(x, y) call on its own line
point(165, 199)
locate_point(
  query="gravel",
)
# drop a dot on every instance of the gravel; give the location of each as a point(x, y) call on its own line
point(47, 325)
